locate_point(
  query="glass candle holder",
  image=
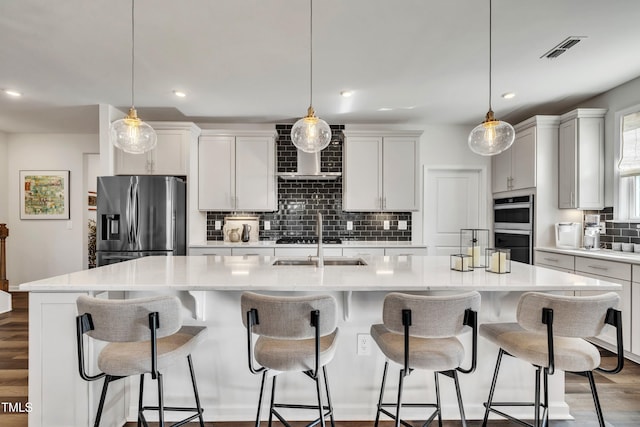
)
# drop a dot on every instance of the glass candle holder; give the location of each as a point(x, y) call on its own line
point(461, 262)
point(498, 260)
point(474, 242)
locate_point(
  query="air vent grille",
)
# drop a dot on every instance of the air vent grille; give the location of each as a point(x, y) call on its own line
point(562, 47)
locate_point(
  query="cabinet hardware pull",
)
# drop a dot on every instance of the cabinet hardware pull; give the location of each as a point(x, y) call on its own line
point(551, 259)
point(597, 267)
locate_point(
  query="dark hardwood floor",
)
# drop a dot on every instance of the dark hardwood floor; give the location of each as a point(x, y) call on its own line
point(619, 394)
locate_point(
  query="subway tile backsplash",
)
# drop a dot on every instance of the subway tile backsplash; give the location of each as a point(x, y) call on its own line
point(299, 201)
point(616, 231)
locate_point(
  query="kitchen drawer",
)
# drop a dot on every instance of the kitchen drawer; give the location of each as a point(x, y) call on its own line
point(210, 251)
point(556, 261)
point(362, 251)
point(306, 251)
point(616, 270)
point(406, 251)
point(252, 251)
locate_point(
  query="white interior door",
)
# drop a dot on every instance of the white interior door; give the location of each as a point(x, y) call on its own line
point(453, 199)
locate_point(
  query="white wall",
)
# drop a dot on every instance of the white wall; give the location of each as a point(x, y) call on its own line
point(619, 98)
point(42, 248)
point(4, 198)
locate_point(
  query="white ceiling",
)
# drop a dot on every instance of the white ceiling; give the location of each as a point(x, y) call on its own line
point(248, 60)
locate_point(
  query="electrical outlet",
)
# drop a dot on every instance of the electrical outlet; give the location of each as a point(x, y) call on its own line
point(602, 227)
point(218, 225)
point(349, 225)
point(385, 225)
point(363, 345)
point(267, 225)
point(402, 225)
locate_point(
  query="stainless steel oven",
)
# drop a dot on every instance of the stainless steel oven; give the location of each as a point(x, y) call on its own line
point(513, 226)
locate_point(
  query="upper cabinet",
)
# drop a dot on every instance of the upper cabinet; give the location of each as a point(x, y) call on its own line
point(581, 159)
point(516, 168)
point(380, 171)
point(236, 171)
point(170, 157)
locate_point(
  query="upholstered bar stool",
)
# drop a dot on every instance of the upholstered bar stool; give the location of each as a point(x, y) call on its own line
point(294, 334)
point(145, 336)
point(550, 334)
point(420, 332)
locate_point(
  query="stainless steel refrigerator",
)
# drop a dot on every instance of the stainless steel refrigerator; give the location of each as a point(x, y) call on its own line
point(140, 216)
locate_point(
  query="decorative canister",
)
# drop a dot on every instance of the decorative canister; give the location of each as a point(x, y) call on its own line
point(250, 223)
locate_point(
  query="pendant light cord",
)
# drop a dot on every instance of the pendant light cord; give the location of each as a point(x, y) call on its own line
point(490, 49)
point(132, 52)
point(310, 53)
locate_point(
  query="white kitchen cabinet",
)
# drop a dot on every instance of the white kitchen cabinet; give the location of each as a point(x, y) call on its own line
point(417, 251)
point(380, 171)
point(610, 271)
point(170, 157)
point(560, 262)
point(517, 168)
point(252, 251)
point(635, 306)
point(214, 250)
point(306, 251)
point(581, 159)
point(358, 252)
point(608, 334)
point(236, 172)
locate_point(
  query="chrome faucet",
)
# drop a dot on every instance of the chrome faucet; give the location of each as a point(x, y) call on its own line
point(319, 231)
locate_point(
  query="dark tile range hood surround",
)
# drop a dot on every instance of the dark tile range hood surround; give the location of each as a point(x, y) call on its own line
point(300, 199)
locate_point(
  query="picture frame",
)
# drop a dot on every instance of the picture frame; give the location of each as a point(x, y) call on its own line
point(44, 194)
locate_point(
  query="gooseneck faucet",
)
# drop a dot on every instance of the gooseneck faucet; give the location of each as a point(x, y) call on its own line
point(319, 230)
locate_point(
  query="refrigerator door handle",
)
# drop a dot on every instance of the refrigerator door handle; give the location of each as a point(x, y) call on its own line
point(132, 213)
point(136, 214)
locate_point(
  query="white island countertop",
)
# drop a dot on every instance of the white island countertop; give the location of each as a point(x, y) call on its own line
point(382, 273)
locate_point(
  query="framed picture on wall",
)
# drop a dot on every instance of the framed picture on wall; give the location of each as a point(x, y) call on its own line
point(44, 194)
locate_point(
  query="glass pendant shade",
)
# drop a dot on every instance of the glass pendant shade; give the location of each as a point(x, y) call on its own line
point(311, 134)
point(132, 135)
point(491, 137)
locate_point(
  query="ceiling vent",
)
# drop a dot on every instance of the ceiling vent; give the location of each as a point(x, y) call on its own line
point(562, 47)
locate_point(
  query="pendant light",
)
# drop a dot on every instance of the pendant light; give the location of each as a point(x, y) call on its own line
point(492, 136)
point(131, 134)
point(311, 134)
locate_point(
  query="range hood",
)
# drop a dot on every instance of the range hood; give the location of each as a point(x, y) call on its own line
point(309, 168)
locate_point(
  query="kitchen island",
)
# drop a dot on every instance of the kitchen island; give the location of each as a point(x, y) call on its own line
point(210, 288)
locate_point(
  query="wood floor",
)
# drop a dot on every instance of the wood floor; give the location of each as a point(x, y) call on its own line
point(619, 394)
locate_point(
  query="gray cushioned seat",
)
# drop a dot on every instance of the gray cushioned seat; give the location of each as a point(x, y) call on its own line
point(132, 358)
point(571, 354)
point(437, 354)
point(294, 355)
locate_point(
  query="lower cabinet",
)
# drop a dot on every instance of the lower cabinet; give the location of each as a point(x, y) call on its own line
point(625, 274)
point(210, 251)
point(307, 251)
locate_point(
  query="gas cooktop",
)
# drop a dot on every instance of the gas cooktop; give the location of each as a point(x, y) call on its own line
point(307, 240)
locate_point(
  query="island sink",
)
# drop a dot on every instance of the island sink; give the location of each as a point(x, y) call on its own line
point(314, 262)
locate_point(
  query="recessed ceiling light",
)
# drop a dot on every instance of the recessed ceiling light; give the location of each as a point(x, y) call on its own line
point(508, 95)
point(385, 109)
point(179, 93)
point(346, 93)
point(12, 93)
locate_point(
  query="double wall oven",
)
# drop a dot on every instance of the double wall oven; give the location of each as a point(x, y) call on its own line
point(513, 226)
